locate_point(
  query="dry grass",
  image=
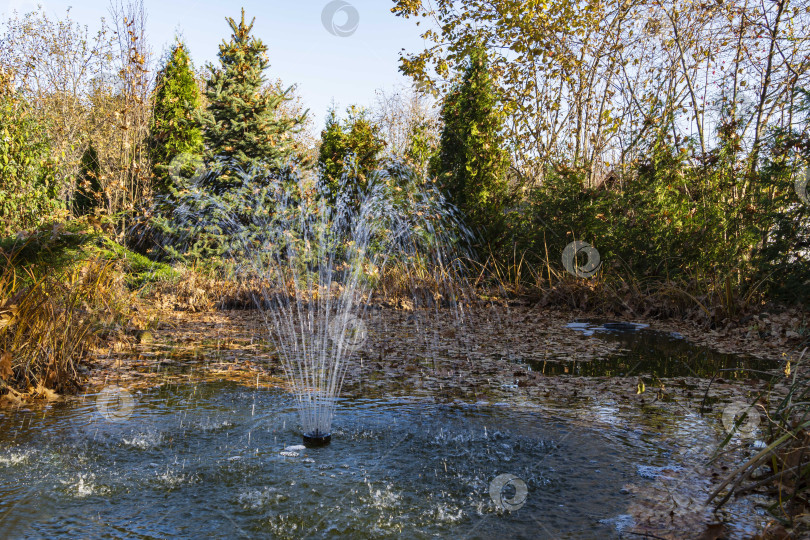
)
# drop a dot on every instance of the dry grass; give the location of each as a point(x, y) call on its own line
point(709, 301)
point(50, 322)
point(196, 289)
point(781, 470)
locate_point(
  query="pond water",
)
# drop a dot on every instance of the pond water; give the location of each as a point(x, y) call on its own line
point(220, 460)
point(210, 461)
point(652, 353)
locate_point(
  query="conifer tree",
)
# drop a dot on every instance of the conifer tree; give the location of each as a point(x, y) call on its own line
point(350, 151)
point(249, 143)
point(173, 129)
point(472, 162)
point(243, 123)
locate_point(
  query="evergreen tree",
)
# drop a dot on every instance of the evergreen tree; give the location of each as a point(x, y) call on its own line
point(349, 153)
point(421, 147)
point(243, 123)
point(472, 163)
point(173, 129)
point(88, 194)
point(250, 145)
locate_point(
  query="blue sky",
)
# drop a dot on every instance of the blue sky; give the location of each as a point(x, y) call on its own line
point(324, 66)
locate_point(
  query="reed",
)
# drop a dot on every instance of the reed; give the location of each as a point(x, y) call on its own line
point(781, 470)
point(52, 320)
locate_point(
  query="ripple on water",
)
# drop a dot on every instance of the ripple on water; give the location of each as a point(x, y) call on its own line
point(393, 468)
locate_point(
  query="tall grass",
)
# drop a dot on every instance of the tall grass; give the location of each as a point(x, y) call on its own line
point(50, 321)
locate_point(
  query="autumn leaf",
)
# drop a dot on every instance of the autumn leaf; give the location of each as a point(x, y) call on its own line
point(5, 366)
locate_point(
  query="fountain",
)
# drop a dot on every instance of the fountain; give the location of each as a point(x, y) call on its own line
point(313, 260)
point(185, 456)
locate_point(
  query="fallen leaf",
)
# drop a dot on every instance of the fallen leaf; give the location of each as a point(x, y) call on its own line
point(47, 393)
point(5, 366)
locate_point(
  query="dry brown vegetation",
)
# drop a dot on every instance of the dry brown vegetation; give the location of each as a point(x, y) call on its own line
point(50, 322)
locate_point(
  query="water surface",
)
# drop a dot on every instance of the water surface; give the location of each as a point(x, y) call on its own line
point(220, 460)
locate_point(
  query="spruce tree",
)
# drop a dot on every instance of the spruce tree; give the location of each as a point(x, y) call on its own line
point(243, 123)
point(472, 162)
point(173, 129)
point(249, 149)
point(89, 195)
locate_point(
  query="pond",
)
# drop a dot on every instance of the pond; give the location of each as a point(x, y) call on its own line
point(219, 459)
point(655, 354)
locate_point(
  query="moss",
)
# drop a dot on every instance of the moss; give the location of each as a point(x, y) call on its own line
point(49, 248)
point(58, 247)
point(140, 270)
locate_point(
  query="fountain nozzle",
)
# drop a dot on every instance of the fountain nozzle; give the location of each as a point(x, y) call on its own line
point(316, 439)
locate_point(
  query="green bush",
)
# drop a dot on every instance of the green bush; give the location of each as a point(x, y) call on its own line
point(28, 190)
point(350, 152)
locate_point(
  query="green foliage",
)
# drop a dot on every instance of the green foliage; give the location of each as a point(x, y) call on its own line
point(245, 127)
point(200, 227)
point(782, 253)
point(671, 221)
point(52, 247)
point(139, 270)
point(63, 247)
point(173, 129)
point(421, 147)
point(89, 195)
point(472, 162)
point(28, 190)
point(243, 123)
point(349, 153)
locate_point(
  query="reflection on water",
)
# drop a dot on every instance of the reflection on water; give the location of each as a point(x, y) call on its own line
point(653, 353)
point(220, 460)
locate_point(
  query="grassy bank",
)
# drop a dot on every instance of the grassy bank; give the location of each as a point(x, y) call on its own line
point(67, 291)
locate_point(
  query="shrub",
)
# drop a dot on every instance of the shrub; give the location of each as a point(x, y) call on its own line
point(28, 191)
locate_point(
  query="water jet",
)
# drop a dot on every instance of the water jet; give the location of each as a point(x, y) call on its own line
point(313, 255)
